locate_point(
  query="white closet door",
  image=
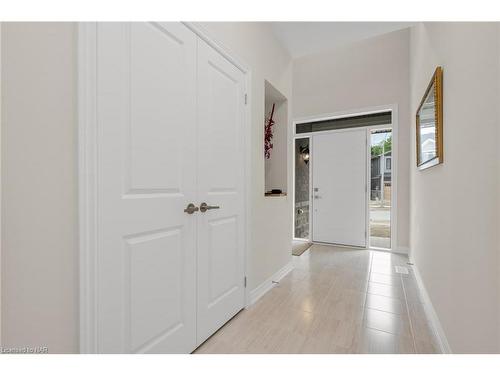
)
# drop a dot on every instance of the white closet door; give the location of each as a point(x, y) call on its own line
point(339, 182)
point(146, 266)
point(220, 183)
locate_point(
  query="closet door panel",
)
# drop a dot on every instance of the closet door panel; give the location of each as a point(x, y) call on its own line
point(221, 91)
point(146, 263)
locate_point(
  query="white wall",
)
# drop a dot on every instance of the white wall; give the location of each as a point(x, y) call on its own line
point(369, 73)
point(271, 217)
point(455, 206)
point(39, 197)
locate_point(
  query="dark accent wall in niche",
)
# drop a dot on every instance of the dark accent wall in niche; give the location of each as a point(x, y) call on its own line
point(301, 190)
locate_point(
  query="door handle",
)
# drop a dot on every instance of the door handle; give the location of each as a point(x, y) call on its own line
point(191, 208)
point(205, 207)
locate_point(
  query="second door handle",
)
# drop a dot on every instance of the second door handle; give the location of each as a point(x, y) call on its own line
point(205, 207)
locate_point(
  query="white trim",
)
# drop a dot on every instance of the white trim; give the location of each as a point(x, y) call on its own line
point(394, 175)
point(311, 183)
point(305, 240)
point(269, 283)
point(87, 183)
point(431, 314)
point(248, 179)
point(402, 250)
point(339, 245)
point(87, 167)
point(223, 50)
point(398, 250)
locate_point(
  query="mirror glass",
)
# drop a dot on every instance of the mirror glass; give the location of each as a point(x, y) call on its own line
point(427, 128)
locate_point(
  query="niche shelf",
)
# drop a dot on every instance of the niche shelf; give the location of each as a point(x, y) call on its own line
point(276, 165)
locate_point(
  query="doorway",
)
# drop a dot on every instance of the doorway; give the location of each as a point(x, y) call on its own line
point(352, 157)
point(164, 225)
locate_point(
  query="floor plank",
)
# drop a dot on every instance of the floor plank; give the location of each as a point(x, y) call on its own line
point(335, 300)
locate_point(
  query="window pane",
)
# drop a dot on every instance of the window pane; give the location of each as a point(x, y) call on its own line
point(345, 123)
point(301, 188)
point(380, 188)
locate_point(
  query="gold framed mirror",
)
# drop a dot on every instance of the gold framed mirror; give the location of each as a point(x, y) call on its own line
point(430, 124)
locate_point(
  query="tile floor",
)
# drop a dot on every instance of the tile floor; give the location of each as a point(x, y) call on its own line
point(336, 300)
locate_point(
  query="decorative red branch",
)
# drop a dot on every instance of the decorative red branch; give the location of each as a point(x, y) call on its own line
point(268, 134)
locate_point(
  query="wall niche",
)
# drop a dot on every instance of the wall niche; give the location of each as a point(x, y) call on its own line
point(276, 158)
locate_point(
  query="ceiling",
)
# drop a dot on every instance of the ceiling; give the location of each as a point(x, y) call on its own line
point(304, 38)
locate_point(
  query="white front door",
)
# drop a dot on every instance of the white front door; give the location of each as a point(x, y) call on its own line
point(146, 266)
point(221, 184)
point(339, 183)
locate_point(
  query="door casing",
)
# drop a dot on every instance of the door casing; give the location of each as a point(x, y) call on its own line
point(350, 113)
point(87, 171)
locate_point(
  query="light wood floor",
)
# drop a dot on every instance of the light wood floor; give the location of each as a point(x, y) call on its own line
point(336, 300)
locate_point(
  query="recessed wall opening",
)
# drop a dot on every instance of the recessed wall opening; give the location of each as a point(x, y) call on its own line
point(380, 188)
point(275, 142)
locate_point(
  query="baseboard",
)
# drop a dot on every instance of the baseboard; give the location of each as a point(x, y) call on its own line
point(431, 314)
point(402, 250)
point(267, 285)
